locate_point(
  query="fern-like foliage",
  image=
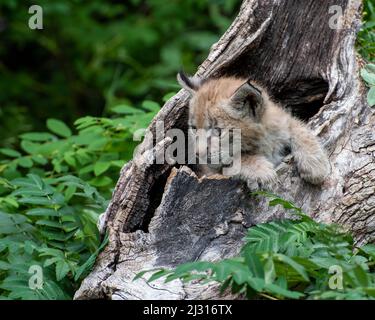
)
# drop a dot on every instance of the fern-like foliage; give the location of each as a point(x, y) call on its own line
point(52, 190)
point(289, 259)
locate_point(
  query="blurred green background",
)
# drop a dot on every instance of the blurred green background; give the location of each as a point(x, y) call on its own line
point(94, 54)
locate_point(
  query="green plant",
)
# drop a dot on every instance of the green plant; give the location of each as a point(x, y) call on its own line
point(92, 55)
point(49, 223)
point(366, 36)
point(52, 189)
point(368, 75)
point(291, 259)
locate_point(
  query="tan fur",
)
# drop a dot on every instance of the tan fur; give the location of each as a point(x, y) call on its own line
point(265, 131)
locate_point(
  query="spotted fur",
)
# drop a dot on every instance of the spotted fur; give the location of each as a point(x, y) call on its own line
point(267, 130)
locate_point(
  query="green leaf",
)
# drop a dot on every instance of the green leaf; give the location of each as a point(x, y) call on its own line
point(11, 201)
point(224, 269)
point(57, 165)
point(5, 183)
point(371, 67)
point(361, 277)
point(87, 169)
point(37, 136)
point(39, 159)
point(254, 264)
point(23, 182)
point(69, 159)
point(4, 266)
point(368, 76)
point(98, 144)
point(125, 109)
point(101, 167)
point(83, 157)
point(62, 269)
point(36, 201)
point(10, 153)
point(51, 261)
point(141, 274)
point(118, 163)
point(69, 192)
point(51, 252)
point(29, 246)
point(59, 127)
point(57, 235)
point(49, 223)
point(30, 147)
point(293, 264)
point(159, 274)
point(101, 181)
point(43, 212)
point(25, 162)
point(241, 275)
point(369, 249)
point(275, 289)
point(151, 106)
point(37, 180)
point(257, 284)
point(371, 97)
point(269, 271)
point(194, 266)
point(85, 267)
point(30, 192)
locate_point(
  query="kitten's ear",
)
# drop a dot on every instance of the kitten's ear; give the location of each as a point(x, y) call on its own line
point(248, 99)
point(191, 84)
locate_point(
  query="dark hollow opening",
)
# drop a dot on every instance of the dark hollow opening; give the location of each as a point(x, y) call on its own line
point(303, 97)
point(155, 196)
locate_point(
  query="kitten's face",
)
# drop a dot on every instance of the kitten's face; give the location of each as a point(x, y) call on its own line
point(216, 108)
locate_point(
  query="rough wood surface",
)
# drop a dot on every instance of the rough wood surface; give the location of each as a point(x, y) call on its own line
point(161, 215)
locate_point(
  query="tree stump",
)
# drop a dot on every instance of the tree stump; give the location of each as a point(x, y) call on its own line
point(163, 215)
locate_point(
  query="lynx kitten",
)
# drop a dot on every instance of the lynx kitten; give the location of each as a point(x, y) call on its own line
point(266, 129)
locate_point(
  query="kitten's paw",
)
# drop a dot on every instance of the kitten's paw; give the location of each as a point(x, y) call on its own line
point(266, 179)
point(269, 181)
point(265, 185)
point(315, 169)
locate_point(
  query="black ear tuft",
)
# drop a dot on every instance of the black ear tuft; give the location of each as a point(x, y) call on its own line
point(185, 79)
point(189, 83)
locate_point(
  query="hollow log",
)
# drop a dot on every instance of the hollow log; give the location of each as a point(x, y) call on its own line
point(162, 215)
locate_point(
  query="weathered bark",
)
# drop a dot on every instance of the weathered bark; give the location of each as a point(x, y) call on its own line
point(162, 216)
